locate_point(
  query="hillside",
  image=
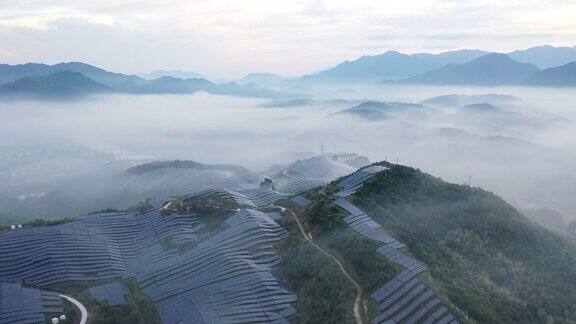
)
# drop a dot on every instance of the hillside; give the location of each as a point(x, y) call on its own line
point(484, 256)
point(61, 84)
point(172, 73)
point(409, 247)
point(29, 76)
point(374, 111)
point(316, 171)
point(390, 65)
point(263, 79)
point(561, 76)
point(184, 177)
point(458, 100)
point(545, 56)
point(488, 70)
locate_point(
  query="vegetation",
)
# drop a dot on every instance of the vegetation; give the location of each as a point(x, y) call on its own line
point(151, 166)
point(324, 293)
point(483, 255)
point(370, 269)
point(39, 223)
point(138, 310)
point(140, 208)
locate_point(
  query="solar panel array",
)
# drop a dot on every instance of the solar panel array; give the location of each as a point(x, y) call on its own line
point(251, 197)
point(364, 224)
point(96, 247)
point(227, 278)
point(404, 298)
point(311, 173)
point(355, 181)
point(112, 293)
point(26, 305)
point(182, 180)
point(406, 261)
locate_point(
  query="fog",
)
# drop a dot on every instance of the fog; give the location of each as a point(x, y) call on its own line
point(526, 157)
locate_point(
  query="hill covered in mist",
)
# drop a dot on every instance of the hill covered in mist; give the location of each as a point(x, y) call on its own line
point(393, 65)
point(485, 259)
point(490, 69)
point(561, 76)
point(75, 79)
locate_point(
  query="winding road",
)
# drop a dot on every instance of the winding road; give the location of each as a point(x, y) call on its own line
point(79, 306)
point(360, 293)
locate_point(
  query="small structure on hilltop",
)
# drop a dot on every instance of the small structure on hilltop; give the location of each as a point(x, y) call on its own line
point(267, 184)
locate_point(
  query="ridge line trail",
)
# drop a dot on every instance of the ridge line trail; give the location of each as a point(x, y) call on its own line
point(359, 293)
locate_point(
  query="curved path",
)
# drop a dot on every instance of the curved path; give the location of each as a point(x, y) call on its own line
point(79, 306)
point(360, 293)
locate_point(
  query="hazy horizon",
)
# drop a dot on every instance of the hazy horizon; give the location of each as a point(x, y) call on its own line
point(227, 39)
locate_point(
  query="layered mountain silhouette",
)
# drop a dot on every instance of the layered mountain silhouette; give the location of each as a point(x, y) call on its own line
point(373, 110)
point(561, 76)
point(458, 100)
point(264, 79)
point(391, 65)
point(545, 56)
point(60, 84)
point(172, 73)
point(77, 79)
point(463, 67)
point(490, 69)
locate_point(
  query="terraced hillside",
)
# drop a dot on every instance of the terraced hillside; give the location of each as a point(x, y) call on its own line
point(443, 251)
point(27, 305)
point(317, 171)
point(185, 177)
point(397, 294)
point(96, 247)
point(225, 279)
point(193, 274)
point(384, 244)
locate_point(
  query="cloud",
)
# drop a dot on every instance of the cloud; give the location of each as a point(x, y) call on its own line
point(225, 38)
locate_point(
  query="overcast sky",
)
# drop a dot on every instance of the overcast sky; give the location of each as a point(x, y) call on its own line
point(224, 38)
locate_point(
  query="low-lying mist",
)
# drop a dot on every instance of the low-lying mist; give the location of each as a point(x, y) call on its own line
point(523, 149)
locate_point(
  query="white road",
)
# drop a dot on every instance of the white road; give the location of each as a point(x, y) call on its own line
point(359, 294)
point(79, 305)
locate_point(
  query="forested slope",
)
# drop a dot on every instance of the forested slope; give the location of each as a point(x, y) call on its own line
point(483, 255)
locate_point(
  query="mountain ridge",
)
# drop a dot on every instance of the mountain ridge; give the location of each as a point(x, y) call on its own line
point(562, 76)
point(121, 83)
point(56, 85)
point(488, 70)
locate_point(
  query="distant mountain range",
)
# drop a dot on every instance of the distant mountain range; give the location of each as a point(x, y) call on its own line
point(457, 100)
point(59, 84)
point(390, 65)
point(264, 79)
point(373, 110)
point(80, 79)
point(172, 73)
point(561, 76)
point(489, 69)
point(393, 65)
point(463, 67)
point(545, 56)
